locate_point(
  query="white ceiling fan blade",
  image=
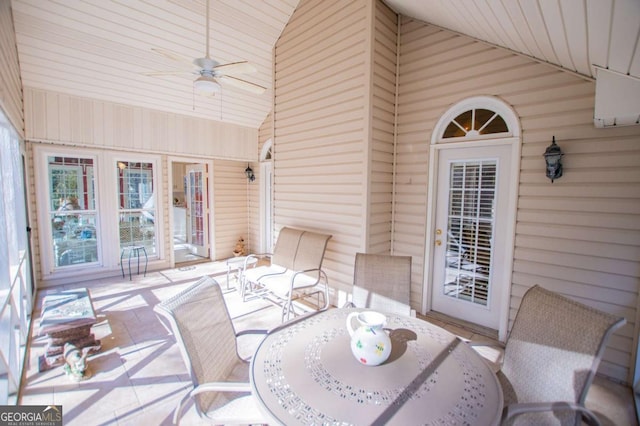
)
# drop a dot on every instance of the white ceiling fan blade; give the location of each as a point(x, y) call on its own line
point(165, 73)
point(243, 67)
point(242, 84)
point(173, 56)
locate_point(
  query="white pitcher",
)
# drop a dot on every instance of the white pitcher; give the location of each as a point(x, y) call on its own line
point(370, 343)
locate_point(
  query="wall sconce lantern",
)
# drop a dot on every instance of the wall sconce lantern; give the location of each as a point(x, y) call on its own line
point(553, 158)
point(249, 172)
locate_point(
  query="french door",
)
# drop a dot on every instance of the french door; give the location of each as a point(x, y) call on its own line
point(197, 209)
point(471, 232)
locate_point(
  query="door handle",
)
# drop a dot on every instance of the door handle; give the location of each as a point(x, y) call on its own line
point(438, 241)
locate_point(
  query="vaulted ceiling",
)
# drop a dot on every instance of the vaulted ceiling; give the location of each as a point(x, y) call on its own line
point(106, 49)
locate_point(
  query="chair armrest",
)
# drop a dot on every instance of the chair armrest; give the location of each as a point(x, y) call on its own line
point(296, 273)
point(491, 353)
point(221, 387)
point(251, 331)
point(255, 256)
point(250, 345)
point(210, 387)
point(517, 409)
point(294, 320)
point(273, 274)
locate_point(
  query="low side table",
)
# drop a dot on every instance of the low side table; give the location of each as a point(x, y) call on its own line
point(237, 264)
point(67, 317)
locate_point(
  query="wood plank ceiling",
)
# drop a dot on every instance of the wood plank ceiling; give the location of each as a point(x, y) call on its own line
point(102, 48)
point(577, 35)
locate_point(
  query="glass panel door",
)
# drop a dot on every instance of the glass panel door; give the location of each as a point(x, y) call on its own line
point(197, 208)
point(470, 232)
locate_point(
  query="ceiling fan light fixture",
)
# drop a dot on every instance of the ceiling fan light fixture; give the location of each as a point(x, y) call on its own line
point(206, 84)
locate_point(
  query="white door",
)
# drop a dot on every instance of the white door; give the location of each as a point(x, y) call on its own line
point(471, 232)
point(197, 210)
point(266, 220)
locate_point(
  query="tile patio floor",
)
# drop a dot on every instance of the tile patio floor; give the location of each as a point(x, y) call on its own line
point(138, 377)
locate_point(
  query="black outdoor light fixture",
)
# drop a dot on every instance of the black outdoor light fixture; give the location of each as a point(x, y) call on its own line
point(249, 172)
point(553, 158)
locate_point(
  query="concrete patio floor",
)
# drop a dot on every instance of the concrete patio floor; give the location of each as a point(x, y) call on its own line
point(138, 377)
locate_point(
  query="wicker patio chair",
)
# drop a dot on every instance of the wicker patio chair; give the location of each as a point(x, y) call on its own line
point(382, 282)
point(204, 332)
point(550, 359)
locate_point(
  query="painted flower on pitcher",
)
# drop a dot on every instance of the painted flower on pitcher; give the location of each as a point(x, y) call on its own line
point(370, 343)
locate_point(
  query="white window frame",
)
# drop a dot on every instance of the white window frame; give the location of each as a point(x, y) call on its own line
point(154, 161)
point(105, 178)
point(43, 189)
point(16, 289)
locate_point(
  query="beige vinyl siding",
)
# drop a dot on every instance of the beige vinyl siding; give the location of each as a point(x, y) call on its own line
point(320, 127)
point(579, 236)
point(382, 119)
point(66, 119)
point(10, 83)
point(229, 205)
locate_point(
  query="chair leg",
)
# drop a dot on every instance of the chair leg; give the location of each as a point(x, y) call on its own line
point(121, 265)
point(146, 260)
point(178, 411)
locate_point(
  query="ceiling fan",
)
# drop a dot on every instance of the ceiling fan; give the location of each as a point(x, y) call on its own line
point(210, 72)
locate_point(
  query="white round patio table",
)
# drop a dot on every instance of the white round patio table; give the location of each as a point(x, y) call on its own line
point(305, 373)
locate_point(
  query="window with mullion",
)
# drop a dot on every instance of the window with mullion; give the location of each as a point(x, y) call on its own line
point(72, 210)
point(136, 205)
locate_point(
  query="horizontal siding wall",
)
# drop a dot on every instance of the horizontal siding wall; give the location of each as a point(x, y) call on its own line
point(381, 129)
point(65, 119)
point(10, 83)
point(579, 236)
point(230, 206)
point(319, 128)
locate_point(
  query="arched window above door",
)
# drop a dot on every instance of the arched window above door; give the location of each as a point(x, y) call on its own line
point(481, 117)
point(265, 152)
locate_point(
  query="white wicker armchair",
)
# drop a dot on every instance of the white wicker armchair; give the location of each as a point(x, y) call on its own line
point(550, 359)
point(203, 330)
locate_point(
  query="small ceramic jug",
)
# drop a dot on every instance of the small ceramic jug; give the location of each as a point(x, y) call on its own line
point(370, 343)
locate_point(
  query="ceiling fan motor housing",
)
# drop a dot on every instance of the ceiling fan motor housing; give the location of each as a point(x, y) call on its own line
point(206, 63)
